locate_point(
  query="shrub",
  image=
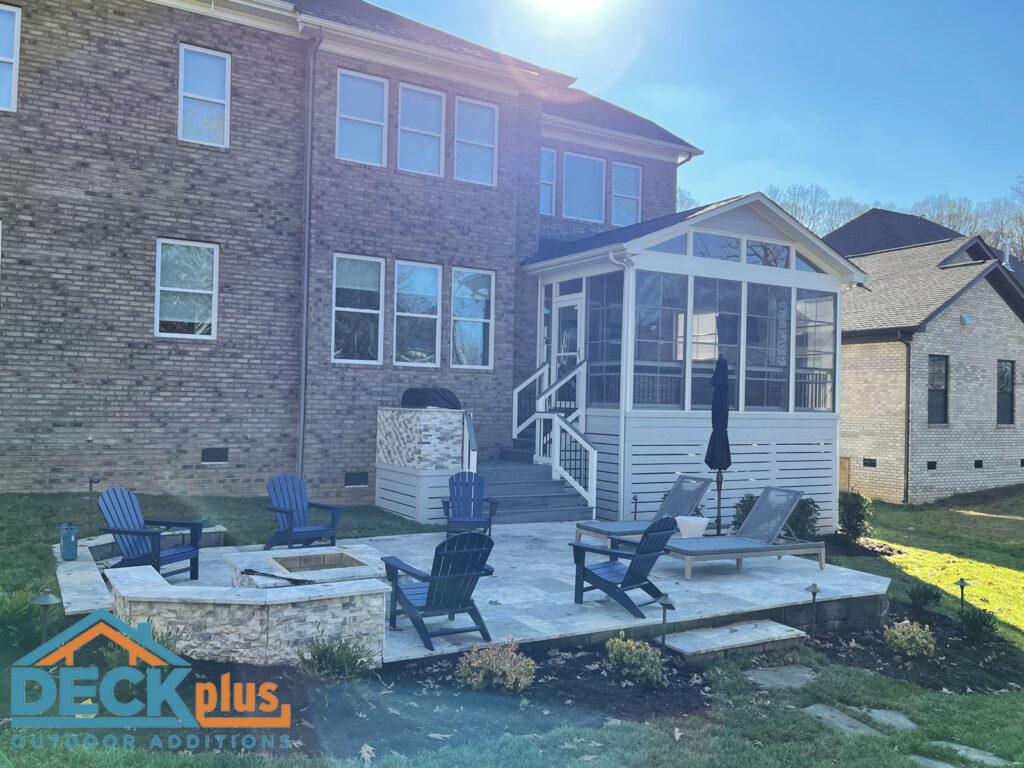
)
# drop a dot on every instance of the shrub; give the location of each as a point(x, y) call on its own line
point(924, 596)
point(20, 620)
point(855, 512)
point(499, 666)
point(977, 624)
point(910, 638)
point(635, 658)
point(335, 658)
point(803, 522)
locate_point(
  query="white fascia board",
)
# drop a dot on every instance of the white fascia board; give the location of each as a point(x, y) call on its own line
point(574, 259)
point(562, 129)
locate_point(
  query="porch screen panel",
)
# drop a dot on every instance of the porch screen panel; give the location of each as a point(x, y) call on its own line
point(604, 338)
point(659, 364)
point(716, 330)
point(767, 352)
point(815, 350)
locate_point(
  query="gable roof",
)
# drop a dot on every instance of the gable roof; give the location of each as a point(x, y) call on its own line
point(880, 229)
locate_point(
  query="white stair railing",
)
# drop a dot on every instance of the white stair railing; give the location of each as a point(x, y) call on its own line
point(519, 421)
point(573, 459)
point(469, 449)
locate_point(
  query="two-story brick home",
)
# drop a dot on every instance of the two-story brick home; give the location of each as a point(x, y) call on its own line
point(233, 229)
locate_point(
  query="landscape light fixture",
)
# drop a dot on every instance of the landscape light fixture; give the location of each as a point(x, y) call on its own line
point(45, 599)
point(962, 583)
point(813, 589)
point(666, 605)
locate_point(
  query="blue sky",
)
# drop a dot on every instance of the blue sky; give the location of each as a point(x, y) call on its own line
point(881, 101)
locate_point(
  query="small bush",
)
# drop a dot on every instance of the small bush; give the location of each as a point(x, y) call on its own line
point(855, 513)
point(803, 522)
point(910, 639)
point(977, 624)
point(635, 658)
point(924, 596)
point(499, 666)
point(20, 621)
point(335, 658)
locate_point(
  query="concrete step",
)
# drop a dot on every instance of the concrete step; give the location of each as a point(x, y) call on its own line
point(554, 515)
point(749, 638)
point(519, 487)
point(519, 455)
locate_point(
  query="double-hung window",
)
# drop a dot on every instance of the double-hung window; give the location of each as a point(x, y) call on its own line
point(186, 289)
point(1004, 391)
point(358, 293)
point(362, 118)
point(10, 39)
point(547, 181)
point(583, 188)
point(476, 141)
point(204, 96)
point(420, 130)
point(626, 186)
point(938, 389)
point(417, 305)
point(472, 318)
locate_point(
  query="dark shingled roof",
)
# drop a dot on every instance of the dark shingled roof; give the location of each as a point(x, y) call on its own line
point(909, 285)
point(582, 107)
point(554, 249)
point(879, 229)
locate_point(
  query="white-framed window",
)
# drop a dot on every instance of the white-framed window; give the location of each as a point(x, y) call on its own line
point(417, 314)
point(186, 289)
point(476, 141)
point(420, 130)
point(472, 318)
point(627, 183)
point(583, 187)
point(357, 332)
point(547, 181)
point(204, 96)
point(362, 132)
point(10, 42)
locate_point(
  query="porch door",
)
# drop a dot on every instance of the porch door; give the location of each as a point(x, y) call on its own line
point(567, 348)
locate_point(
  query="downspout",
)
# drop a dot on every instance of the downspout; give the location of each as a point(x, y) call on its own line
point(307, 204)
point(906, 423)
point(627, 307)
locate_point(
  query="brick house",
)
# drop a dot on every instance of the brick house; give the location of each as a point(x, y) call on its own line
point(234, 229)
point(931, 355)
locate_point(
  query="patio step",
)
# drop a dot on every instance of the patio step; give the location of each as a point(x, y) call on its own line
point(553, 515)
point(527, 494)
point(748, 638)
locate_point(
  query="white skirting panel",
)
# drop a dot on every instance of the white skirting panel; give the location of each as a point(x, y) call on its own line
point(792, 451)
point(412, 493)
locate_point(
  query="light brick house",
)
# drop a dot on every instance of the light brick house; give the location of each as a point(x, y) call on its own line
point(233, 229)
point(932, 348)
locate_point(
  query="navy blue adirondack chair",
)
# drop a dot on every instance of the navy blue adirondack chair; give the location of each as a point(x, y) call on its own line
point(459, 562)
point(139, 544)
point(615, 578)
point(464, 507)
point(289, 502)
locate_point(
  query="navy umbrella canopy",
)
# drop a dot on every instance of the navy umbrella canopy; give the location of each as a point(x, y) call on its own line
point(718, 456)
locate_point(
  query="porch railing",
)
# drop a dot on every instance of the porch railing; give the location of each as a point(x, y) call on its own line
point(525, 399)
point(573, 458)
point(574, 408)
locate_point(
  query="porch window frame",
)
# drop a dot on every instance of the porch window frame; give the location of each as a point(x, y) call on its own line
point(182, 95)
point(436, 316)
point(489, 322)
point(379, 311)
point(15, 60)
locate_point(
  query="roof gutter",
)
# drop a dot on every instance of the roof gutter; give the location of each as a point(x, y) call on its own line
point(561, 262)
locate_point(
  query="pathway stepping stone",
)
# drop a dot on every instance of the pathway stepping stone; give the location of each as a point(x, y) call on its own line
point(973, 754)
point(789, 676)
point(893, 719)
point(840, 721)
point(929, 762)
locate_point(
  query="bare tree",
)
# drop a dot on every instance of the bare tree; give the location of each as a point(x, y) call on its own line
point(685, 199)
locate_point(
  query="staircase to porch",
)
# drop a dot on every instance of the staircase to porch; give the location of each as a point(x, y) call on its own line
point(527, 494)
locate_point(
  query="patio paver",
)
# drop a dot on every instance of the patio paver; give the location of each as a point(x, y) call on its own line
point(841, 721)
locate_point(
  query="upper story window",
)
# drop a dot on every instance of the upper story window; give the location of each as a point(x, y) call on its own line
point(626, 186)
point(547, 181)
point(583, 188)
point(722, 247)
point(186, 289)
point(1004, 391)
point(767, 254)
point(938, 389)
point(417, 305)
point(420, 130)
point(362, 118)
point(472, 318)
point(476, 141)
point(10, 40)
point(204, 101)
point(358, 292)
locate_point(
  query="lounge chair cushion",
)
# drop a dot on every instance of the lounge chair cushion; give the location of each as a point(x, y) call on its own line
point(729, 546)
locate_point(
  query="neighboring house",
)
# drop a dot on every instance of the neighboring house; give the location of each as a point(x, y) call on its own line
point(234, 229)
point(932, 349)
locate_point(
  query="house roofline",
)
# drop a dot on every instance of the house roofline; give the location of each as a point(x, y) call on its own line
point(564, 129)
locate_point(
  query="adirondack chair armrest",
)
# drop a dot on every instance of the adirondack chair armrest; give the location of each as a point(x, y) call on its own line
point(195, 528)
point(493, 504)
point(617, 541)
point(153, 534)
point(283, 511)
point(446, 505)
point(580, 551)
point(393, 566)
point(488, 570)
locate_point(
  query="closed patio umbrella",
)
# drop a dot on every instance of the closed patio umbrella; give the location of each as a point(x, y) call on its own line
point(718, 456)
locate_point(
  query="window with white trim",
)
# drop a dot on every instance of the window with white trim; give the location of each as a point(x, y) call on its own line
point(204, 96)
point(10, 40)
point(362, 118)
point(417, 306)
point(420, 130)
point(186, 289)
point(547, 181)
point(626, 186)
point(472, 318)
point(357, 332)
point(583, 187)
point(476, 141)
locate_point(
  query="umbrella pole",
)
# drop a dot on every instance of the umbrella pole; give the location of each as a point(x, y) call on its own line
point(718, 519)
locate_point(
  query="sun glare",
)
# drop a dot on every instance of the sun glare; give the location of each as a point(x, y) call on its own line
point(577, 8)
